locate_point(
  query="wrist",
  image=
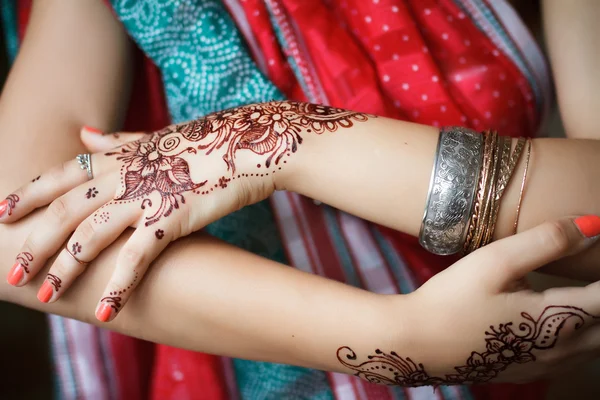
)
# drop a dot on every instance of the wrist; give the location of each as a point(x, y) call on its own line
point(385, 328)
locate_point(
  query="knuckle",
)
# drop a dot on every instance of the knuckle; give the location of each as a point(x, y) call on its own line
point(131, 257)
point(57, 173)
point(58, 209)
point(556, 236)
point(86, 232)
point(67, 268)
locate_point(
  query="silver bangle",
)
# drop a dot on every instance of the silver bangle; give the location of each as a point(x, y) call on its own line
point(452, 190)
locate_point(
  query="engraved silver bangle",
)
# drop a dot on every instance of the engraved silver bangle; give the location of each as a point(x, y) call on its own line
point(452, 190)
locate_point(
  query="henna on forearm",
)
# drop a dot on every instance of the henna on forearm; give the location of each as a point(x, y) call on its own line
point(506, 344)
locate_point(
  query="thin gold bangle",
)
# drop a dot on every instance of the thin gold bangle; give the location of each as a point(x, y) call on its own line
point(529, 143)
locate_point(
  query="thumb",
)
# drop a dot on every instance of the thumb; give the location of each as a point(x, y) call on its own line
point(525, 252)
point(96, 140)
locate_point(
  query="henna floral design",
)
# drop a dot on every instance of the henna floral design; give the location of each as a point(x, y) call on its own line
point(159, 234)
point(37, 178)
point(272, 129)
point(54, 281)
point(75, 248)
point(155, 164)
point(505, 345)
point(91, 193)
point(24, 258)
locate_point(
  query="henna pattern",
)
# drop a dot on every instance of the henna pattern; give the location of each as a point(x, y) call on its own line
point(37, 178)
point(54, 281)
point(24, 258)
point(273, 130)
point(506, 344)
point(153, 165)
point(101, 217)
point(114, 299)
point(91, 193)
point(75, 248)
point(223, 182)
point(11, 202)
point(159, 234)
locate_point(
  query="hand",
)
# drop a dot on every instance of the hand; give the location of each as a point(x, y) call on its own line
point(472, 324)
point(166, 184)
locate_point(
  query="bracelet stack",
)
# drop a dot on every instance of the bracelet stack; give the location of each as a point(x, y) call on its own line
point(470, 174)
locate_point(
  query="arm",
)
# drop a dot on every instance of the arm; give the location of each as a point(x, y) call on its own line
point(389, 183)
point(72, 70)
point(572, 33)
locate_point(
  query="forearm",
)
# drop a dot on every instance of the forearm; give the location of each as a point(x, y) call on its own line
point(572, 33)
point(204, 295)
point(380, 169)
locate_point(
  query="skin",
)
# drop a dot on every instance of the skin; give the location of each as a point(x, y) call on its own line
point(574, 55)
point(161, 312)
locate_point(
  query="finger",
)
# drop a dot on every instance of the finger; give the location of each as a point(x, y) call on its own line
point(92, 236)
point(59, 220)
point(49, 186)
point(97, 141)
point(525, 252)
point(133, 261)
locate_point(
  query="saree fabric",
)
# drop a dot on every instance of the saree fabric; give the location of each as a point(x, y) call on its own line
point(436, 62)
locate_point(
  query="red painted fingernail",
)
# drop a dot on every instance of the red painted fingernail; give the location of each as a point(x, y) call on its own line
point(3, 207)
point(104, 312)
point(16, 274)
point(45, 293)
point(93, 130)
point(588, 225)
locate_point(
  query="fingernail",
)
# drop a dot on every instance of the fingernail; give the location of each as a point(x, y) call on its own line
point(45, 293)
point(95, 131)
point(16, 274)
point(3, 207)
point(104, 312)
point(588, 225)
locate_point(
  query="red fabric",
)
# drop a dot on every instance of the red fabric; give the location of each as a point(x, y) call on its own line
point(182, 374)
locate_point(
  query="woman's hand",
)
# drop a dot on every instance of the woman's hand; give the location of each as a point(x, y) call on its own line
point(473, 323)
point(166, 184)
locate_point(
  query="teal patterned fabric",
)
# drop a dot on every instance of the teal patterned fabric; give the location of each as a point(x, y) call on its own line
point(205, 68)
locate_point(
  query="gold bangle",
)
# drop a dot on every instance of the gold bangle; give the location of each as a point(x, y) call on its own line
point(483, 177)
point(491, 197)
point(488, 190)
point(529, 144)
point(504, 147)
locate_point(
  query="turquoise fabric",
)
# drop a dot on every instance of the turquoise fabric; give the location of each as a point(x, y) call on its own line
point(9, 28)
point(205, 68)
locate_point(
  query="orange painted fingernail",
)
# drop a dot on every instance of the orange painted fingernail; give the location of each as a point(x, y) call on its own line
point(104, 312)
point(16, 274)
point(3, 207)
point(45, 293)
point(588, 225)
point(93, 130)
